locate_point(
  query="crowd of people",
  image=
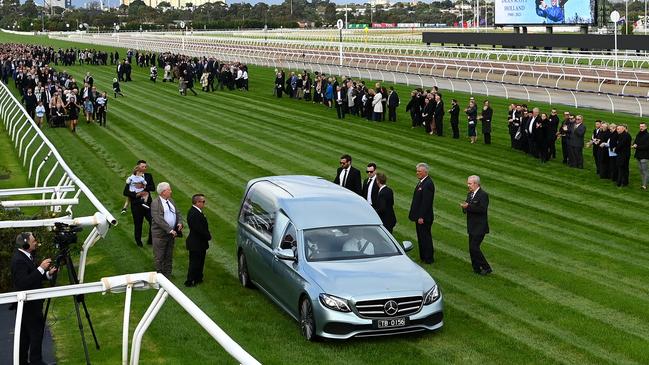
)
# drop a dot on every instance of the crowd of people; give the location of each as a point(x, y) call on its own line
point(50, 96)
point(186, 70)
point(534, 132)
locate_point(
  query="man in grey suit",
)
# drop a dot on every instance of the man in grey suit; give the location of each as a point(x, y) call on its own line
point(576, 143)
point(167, 224)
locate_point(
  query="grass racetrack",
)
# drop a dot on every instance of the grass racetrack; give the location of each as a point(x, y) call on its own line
point(569, 251)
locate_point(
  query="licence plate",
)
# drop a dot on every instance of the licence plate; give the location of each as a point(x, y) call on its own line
point(391, 323)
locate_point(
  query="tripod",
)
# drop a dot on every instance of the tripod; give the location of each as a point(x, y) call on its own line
point(64, 256)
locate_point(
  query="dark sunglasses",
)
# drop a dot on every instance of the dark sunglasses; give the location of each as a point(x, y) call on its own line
point(368, 171)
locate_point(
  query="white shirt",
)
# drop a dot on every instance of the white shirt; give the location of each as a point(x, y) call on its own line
point(197, 208)
point(169, 215)
point(370, 185)
point(378, 107)
point(532, 124)
point(342, 176)
point(473, 194)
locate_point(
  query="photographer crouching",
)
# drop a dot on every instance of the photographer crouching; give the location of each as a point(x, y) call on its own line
point(26, 274)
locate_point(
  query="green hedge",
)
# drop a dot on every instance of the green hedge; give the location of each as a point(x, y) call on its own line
point(7, 246)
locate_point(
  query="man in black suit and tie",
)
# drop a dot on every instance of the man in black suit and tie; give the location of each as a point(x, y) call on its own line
point(197, 241)
point(393, 103)
point(385, 202)
point(477, 224)
point(347, 176)
point(421, 212)
point(27, 275)
point(370, 190)
point(139, 212)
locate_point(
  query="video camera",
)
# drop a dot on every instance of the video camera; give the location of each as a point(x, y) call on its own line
point(65, 234)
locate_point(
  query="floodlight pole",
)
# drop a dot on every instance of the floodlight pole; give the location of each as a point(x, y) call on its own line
point(615, 36)
point(477, 15)
point(644, 23)
point(626, 18)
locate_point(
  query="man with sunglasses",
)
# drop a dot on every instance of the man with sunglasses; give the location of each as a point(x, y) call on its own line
point(197, 241)
point(347, 176)
point(370, 190)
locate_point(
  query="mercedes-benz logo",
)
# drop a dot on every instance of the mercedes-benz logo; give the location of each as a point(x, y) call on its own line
point(391, 307)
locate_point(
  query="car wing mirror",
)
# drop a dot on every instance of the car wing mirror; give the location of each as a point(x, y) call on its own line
point(285, 254)
point(407, 246)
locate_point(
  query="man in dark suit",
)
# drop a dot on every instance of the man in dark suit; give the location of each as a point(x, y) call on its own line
point(385, 202)
point(167, 224)
point(393, 103)
point(623, 150)
point(139, 212)
point(421, 212)
point(27, 275)
point(197, 241)
point(347, 176)
point(576, 143)
point(528, 128)
point(438, 115)
point(370, 190)
point(477, 225)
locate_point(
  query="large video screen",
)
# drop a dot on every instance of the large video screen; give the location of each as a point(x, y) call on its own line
point(533, 12)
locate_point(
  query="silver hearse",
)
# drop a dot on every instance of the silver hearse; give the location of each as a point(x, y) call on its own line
point(321, 253)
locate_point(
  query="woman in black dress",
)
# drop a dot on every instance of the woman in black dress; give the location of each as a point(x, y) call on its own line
point(73, 110)
point(472, 116)
point(485, 118)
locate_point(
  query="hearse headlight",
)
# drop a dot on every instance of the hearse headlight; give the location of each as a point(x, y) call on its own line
point(431, 295)
point(335, 303)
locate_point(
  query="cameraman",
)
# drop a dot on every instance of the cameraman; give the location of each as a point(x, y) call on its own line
point(27, 275)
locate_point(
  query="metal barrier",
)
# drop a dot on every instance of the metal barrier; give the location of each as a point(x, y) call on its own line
point(128, 283)
point(53, 180)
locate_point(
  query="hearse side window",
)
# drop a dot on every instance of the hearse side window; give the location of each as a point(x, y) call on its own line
point(259, 207)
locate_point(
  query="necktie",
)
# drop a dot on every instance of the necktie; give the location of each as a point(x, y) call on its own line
point(170, 208)
point(344, 178)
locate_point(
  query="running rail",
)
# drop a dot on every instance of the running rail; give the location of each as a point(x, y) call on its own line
point(52, 179)
point(126, 284)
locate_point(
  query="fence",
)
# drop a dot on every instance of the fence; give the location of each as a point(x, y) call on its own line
point(596, 87)
point(128, 283)
point(54, 184)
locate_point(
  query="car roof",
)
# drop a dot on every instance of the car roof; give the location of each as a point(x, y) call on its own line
point(314, 202)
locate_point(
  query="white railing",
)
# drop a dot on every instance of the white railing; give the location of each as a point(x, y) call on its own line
point(128, 283)
point(53, 180)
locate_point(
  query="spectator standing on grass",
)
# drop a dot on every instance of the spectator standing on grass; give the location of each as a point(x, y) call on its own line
point(117, 90)
point(377, 104)
point(393, 104)
point(485, 117)
point(40, 112)
point(348, 176)
point(421, 212)
point(414, 108)
point(576, 143)
point(439, 115)
point(89, 109)
point(623, 151)
point(455, 118)
point(197, 241)
point(641, 146)
point(384, 204)
point(101, 109)
point(552, 130)
point(477, 223)
point(563, 132)
point(167, 224)
point(472, 115)
point(73, 110)
point(138, 212)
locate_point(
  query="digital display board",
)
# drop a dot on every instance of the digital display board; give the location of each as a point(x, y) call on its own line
point(544, 12)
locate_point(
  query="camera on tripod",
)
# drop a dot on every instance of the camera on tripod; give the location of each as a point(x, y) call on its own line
point(65, 234)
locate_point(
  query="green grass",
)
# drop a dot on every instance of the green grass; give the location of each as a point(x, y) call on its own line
point(569, 250)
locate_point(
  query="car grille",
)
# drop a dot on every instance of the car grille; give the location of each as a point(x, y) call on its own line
point(376, 308)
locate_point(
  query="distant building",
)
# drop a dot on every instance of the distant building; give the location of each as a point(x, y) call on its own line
point(175, 3)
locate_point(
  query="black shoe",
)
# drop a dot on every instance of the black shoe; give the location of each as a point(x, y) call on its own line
point(139, 244)
point(486, 272)
point(189, 284)
point(196, 282)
